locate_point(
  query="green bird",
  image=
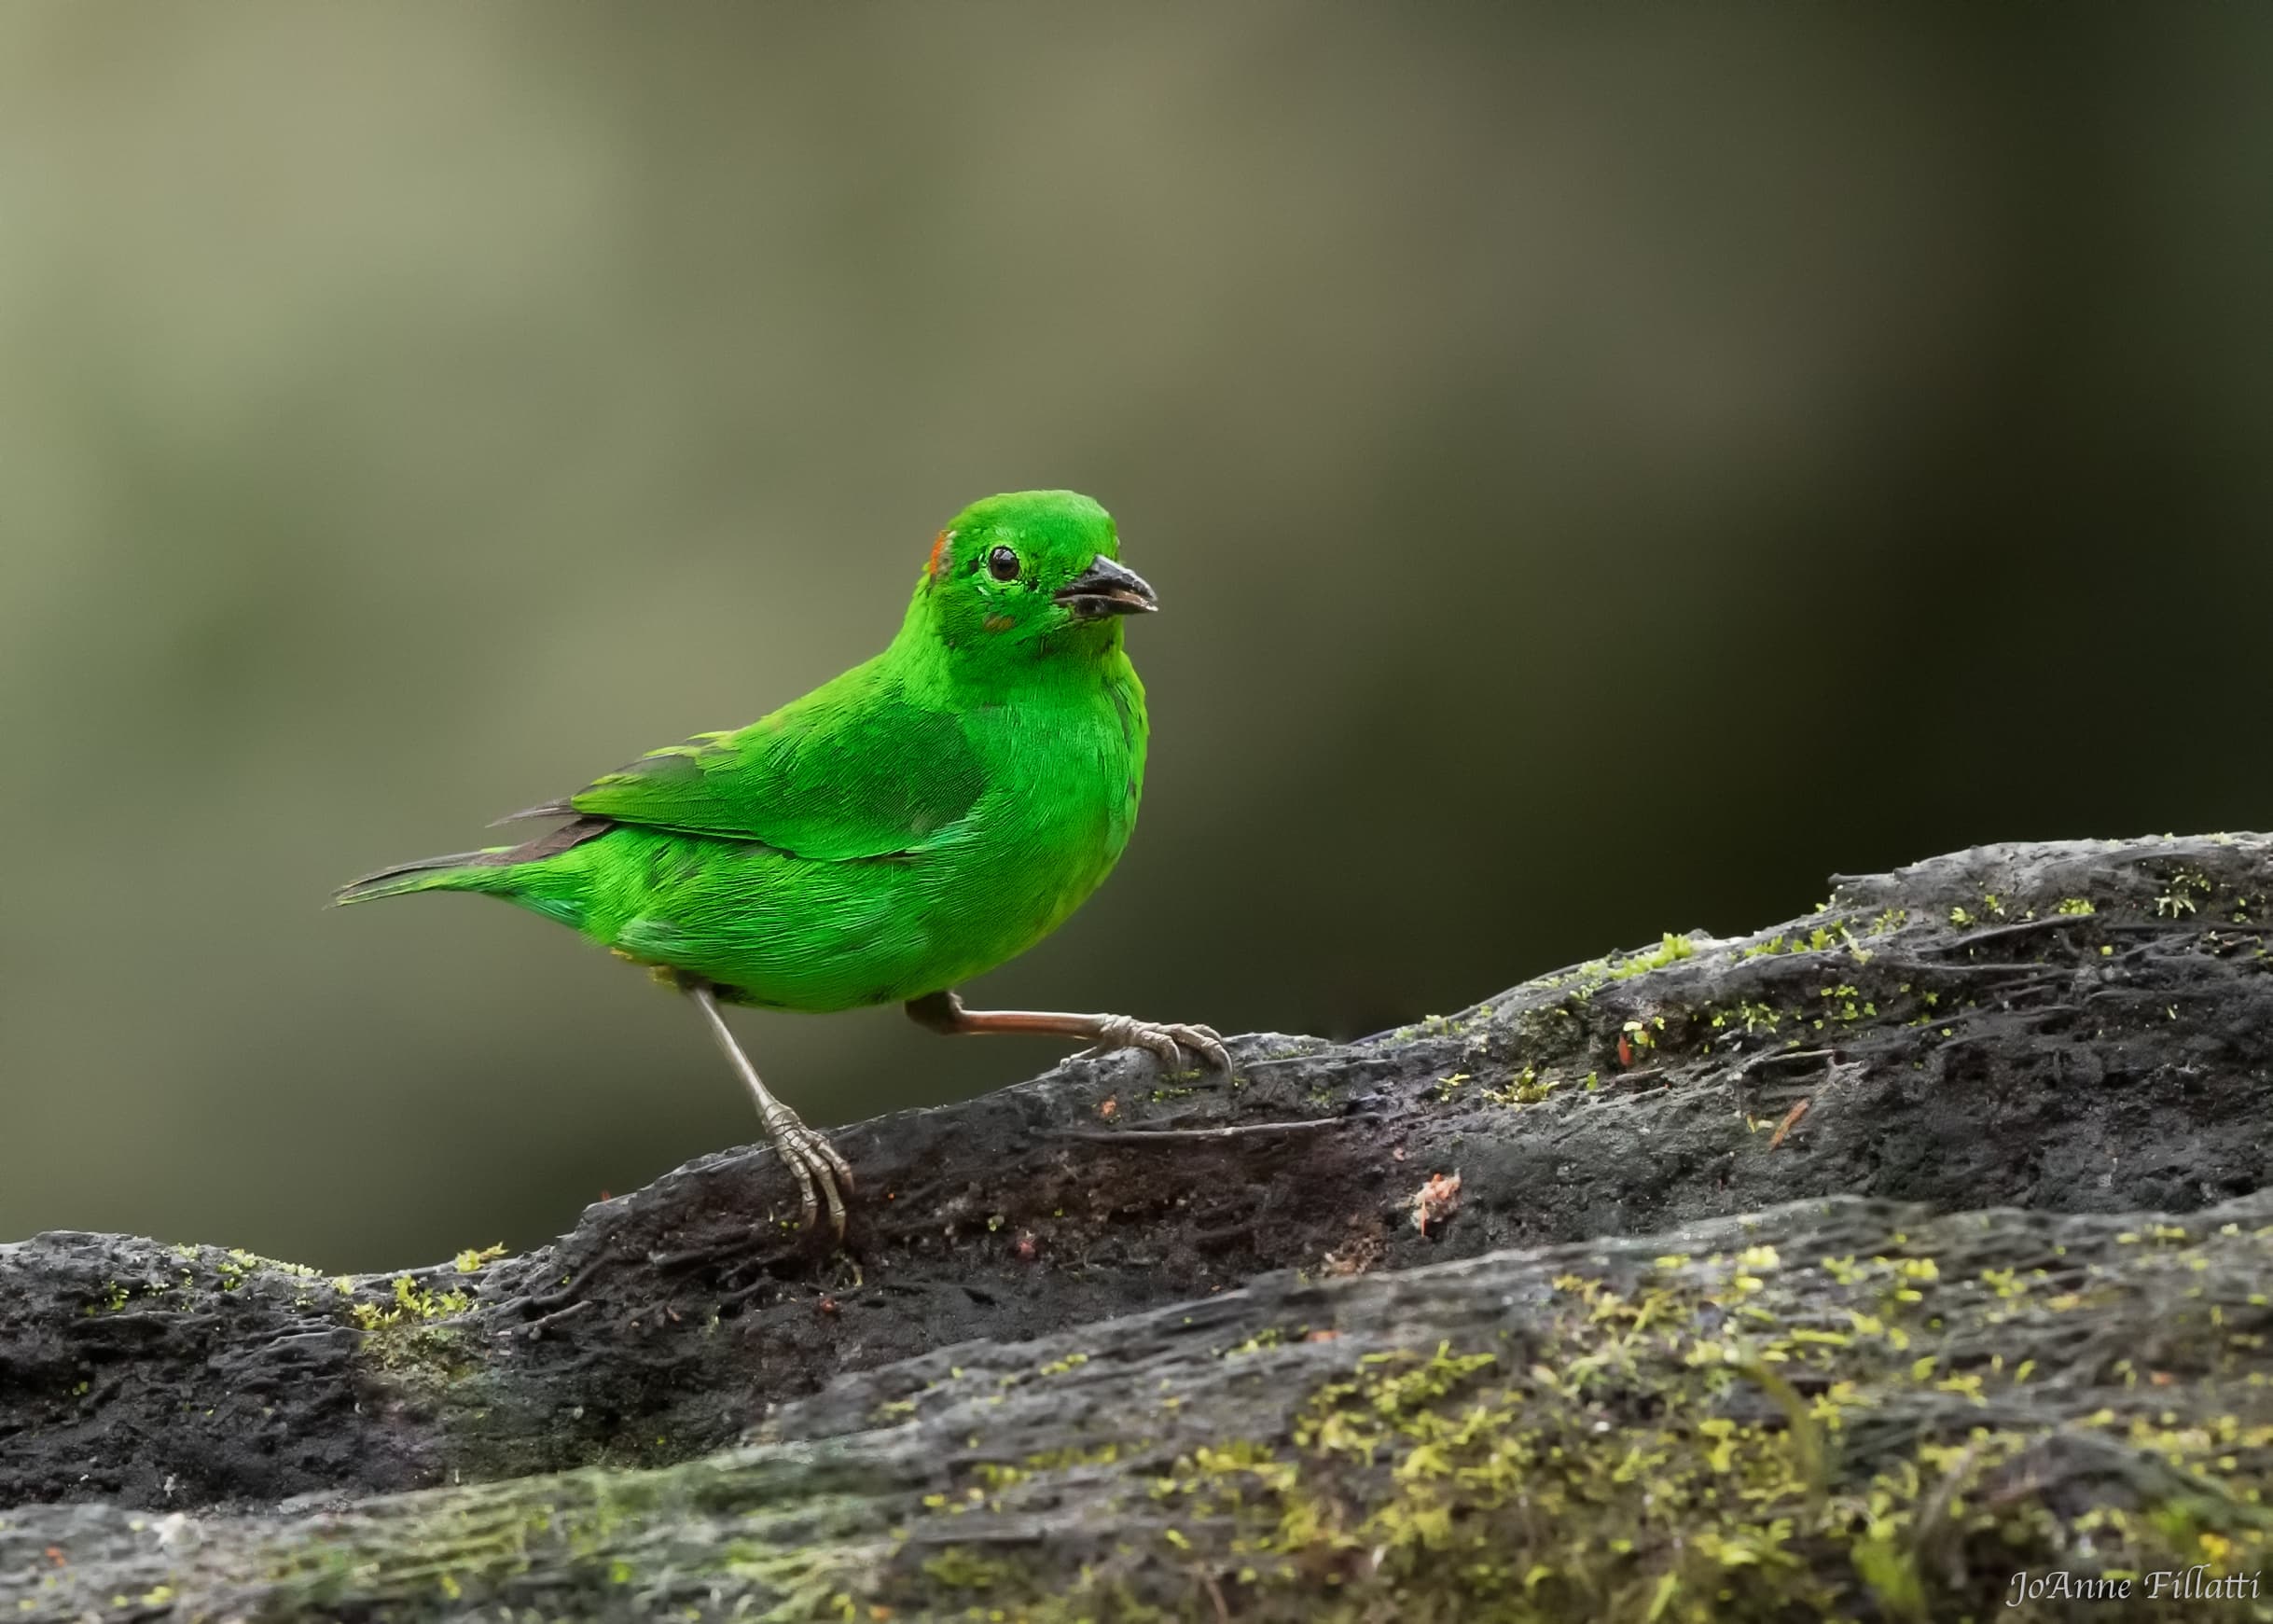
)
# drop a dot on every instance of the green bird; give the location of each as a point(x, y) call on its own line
point(927, 816)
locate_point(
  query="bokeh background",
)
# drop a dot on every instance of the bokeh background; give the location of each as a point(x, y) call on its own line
point(1605, 469)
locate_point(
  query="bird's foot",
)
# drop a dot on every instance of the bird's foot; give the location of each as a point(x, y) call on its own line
point(1168, 1039)
point(815, 1161)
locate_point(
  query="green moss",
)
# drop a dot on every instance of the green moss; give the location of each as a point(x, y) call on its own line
point(412, 1303)
point(1590, 978)
point(1753, 1015)
point(1671, 949)
point(1526, 1087)
point(1820, 940)
point(408, 1333)
point(1461, 1483)
point(115, 1296)
point(961, 1567)
point(1847, 1003)
point(1269, 1337)
point(1672, 1448)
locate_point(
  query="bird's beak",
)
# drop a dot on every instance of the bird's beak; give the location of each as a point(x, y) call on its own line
point(1106, 589)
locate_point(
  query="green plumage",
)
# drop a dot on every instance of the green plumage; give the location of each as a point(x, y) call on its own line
point(916, 821)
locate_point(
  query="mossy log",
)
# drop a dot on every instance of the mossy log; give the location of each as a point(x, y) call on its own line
point(1845, 1269)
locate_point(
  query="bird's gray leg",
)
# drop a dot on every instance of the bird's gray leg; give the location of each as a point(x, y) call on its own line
point(812, 1158)
point(944, 1012)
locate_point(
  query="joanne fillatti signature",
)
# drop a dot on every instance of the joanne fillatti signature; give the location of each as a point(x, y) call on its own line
point(2194, 1584)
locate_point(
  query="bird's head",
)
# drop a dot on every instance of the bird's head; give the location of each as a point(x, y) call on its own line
point(1032, 572)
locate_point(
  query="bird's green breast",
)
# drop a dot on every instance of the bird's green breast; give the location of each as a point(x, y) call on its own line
point(1066, 771)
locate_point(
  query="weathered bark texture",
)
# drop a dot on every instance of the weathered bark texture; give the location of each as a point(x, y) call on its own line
point(1994, 1300)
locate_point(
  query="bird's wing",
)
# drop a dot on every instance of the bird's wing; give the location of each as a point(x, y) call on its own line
point(854, 770)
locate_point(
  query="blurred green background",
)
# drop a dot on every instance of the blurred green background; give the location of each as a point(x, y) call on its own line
point(1605, 469)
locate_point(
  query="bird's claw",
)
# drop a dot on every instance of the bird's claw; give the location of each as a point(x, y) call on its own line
point(815, 1161)
point(1166, 1039)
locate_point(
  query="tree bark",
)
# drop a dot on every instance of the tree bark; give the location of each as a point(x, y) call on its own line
point(1845, 1269)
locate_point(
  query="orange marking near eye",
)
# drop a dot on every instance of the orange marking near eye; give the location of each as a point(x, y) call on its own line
point(938, 555)
point(1000, 622)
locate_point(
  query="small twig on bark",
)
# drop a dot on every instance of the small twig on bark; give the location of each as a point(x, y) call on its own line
point(1185, 1136)
point(2022, 927)
point(535, 1329)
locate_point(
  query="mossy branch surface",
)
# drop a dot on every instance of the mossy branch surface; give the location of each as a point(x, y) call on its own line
point(1841, 1269)
point(1840, 1407)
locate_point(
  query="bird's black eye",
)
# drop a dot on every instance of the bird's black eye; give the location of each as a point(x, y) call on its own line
point(1003, 565)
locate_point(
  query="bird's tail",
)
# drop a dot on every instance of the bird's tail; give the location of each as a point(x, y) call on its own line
point(480, 871)
point(500, 870)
